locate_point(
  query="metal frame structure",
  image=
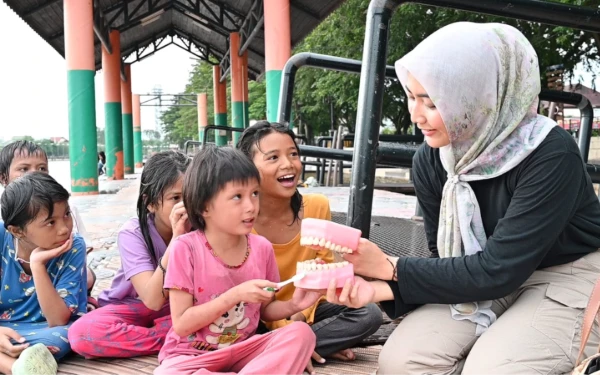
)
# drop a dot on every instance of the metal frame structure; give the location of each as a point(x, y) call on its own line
point(374, 71)
point(169, 100)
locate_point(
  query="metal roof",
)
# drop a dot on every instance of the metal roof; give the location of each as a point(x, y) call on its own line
point(201, 27)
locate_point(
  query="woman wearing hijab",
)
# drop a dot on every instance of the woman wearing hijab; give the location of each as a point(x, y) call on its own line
point(510, 215)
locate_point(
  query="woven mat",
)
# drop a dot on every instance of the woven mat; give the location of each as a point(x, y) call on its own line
point(365, 363)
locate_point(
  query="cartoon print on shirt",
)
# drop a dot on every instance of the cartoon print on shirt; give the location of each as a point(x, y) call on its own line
point(23, 277)
point(227, 325)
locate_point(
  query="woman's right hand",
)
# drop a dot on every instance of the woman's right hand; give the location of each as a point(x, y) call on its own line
point(354, 296)
point(179, 220)
point(7, 347)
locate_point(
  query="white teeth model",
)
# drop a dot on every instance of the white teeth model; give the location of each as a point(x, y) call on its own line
point(314, 265)
point(322, 242)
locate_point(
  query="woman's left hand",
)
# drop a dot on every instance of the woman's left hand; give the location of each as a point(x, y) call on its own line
point(43, 256)
point(304, 298)
point(355, 294)
point(369, 260)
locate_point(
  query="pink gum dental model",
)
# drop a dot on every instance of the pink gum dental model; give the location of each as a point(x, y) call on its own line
point(320, 234)
point(318, 274)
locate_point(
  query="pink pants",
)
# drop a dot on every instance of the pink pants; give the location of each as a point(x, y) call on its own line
point(120, 331)
point(284, 351)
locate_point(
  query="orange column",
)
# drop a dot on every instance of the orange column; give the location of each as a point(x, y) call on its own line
point(237, 90)
point(220, 103)
point(202, 115)
point(113, 131)
point(81, 69)
point(138, 150)
point(278, 49)
point(245, 87)
point(127, 122)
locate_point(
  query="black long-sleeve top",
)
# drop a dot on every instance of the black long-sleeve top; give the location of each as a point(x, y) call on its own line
point(544, 212)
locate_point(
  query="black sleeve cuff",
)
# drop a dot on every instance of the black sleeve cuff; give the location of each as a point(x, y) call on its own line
point(396, 308)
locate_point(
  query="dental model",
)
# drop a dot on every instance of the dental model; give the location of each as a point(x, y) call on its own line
point(318, 273)
point(325, 234)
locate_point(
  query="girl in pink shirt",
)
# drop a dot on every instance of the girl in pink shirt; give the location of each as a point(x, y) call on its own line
point(217, 277)
point(133, 319)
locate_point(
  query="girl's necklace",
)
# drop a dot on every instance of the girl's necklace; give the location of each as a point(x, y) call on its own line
point(212, 251)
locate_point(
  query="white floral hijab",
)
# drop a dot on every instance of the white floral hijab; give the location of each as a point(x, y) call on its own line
point(484, 80)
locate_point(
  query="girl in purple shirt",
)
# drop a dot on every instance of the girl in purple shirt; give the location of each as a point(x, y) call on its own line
point(134, 318)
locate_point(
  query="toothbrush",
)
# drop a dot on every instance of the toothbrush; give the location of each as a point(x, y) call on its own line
point(284, 283)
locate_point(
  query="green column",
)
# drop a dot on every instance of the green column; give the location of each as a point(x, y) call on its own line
point(83, 148)
point(220, 104)
point(79, 57)
point(138, 150)
point(137, 147)
point(128, 143)
point(273, 87)
point(113, 133)
point(127, 121)
point(237, 114)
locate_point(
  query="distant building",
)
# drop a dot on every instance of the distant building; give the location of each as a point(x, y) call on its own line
point(572, 116)
point(59, 140)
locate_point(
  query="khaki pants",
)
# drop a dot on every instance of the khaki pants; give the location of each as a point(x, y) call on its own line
point(537, 331)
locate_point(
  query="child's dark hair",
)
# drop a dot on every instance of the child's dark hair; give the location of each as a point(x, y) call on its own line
point(29, 194)
point(102, 157)
point(161, 171)
point(212, 168)
point(249, 144)
point(20, 148)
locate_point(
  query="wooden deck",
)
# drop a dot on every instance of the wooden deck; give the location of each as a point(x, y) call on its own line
point(365, 363)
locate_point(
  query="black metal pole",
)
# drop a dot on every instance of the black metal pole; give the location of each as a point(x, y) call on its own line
point(368, 116)
point(577, 17)
point(332, 113)
point(585, 127)
point(315, 60)
point(587, 115)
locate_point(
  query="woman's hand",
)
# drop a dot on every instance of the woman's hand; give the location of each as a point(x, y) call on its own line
point(42, 256)
point(7, 347)
point(179, 220)
point(354, 296)
point(304, 298)
point(370, 261)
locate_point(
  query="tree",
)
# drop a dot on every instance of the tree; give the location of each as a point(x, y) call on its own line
point(409, 26)
point(342, 34)
point(100, 136)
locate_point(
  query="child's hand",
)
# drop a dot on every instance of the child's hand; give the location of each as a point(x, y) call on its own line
point(354, 296)
point(6, 347)
point(253, 291)
point(179, 220)
point(42, 256)
point(304, 298)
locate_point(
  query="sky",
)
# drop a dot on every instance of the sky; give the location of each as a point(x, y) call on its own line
point(38, 105)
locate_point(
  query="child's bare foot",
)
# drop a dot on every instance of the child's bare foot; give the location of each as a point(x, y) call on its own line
point(35, 360)
point(344, 355)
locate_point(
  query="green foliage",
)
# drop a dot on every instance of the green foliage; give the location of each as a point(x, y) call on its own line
point(342, 34)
